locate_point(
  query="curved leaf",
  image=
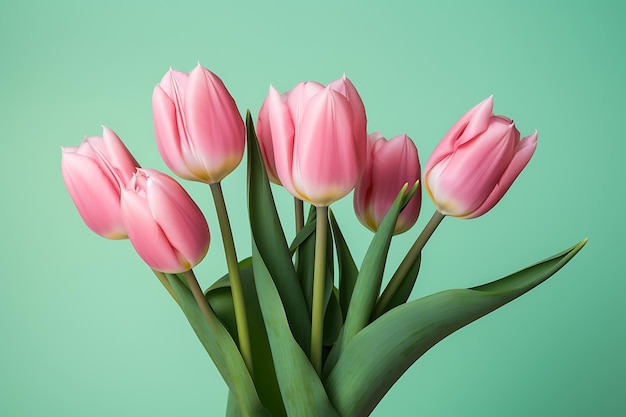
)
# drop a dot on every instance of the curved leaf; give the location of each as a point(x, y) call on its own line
point(222, 349)
point(302, 391)
point(347, 267)
point(220, 298)
point(369, 279)
point(385, 349)
point(399, 295)
point(269, 236)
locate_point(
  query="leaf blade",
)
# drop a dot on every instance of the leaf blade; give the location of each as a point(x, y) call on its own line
point(357, 383)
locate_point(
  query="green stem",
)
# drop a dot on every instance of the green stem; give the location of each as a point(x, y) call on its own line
point(199, 296)
point(406, 264)
point(319, 276)
point(299, 209)
point(233, 274)
point(161, 276)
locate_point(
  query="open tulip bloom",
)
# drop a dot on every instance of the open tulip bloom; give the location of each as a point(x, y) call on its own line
point(290, 334)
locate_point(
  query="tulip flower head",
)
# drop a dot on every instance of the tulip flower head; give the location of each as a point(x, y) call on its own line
point(391, 164)
point(165, 226)
point(199, 131)
point(476, 162)
point(313, 139)
point(95, 173)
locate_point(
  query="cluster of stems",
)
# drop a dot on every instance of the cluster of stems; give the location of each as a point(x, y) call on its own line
point(317, 324)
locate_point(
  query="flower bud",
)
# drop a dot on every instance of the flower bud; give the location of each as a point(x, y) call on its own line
point(391, 164)
point(94, 173)
point(199, 131)
point(313, 139)
point(165, 226)
point(476, 162)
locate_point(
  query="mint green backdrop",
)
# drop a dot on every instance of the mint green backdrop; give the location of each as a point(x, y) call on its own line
point(86, 330)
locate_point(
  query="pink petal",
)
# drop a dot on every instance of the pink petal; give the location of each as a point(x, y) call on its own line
point(216, 129)
point(167, 133)
point(299, 96)
point(345, 87)
point(95, 194)
point(178, 216)
point(282, 132)
point(461, 132)
point(326, 163)
point(264, 136)
point(146, 235)
point(523, 152)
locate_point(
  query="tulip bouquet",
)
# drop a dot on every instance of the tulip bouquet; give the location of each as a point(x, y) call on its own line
point(298, 328)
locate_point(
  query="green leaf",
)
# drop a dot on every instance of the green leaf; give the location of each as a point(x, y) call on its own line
point(302, 236)
point(306, 261)
point(268, 234)
point(369, 279)
point(347, 267)
point(222, 349)
point(385, 349)
point(232, 407)
point(302, 391)
point(401, 294)
point(220, 298)
point(333, 320)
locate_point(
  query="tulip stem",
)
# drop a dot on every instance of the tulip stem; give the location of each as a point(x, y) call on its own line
point(319, 277)
point(161, 276)
point(198, 295)
point(299, 209)
point(233, 274)
point(400, 275)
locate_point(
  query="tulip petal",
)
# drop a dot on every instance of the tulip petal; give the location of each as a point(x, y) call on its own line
point(463, 181)
point(392, 164)
point(462, 131)
point(264, 136)
point(299, 96)
point(216, 130)
point(122, 162)
point(523, 152)
point(345, 87)
point(94, 193)
point(178, 216)
point(326, 164)
point(145, 234)
point(167, 133)
point(282, 133)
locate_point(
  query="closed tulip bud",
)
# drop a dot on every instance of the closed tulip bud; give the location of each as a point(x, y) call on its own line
point(391, 164)
point(199, 131)
point(313, 139)
point(476, 162)
point(165, 226)
point(95, 173)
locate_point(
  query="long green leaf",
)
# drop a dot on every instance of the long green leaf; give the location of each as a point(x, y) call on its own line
point(385, 349)
point(222, 349)
point(268, 234)
point(347, 267)
point(220, 298)
point(302, 391)
point(301, 236)
point(400, 294)
point(369, 279)
point(306, 260)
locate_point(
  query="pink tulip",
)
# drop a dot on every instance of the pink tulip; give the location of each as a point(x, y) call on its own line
point(313, 139)
point(476, 162)
point(165, 226)
point(95, 173)
point(199, 131)
point(392, 163)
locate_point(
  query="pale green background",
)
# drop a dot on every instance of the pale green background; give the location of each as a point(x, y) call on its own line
point(86, 330)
